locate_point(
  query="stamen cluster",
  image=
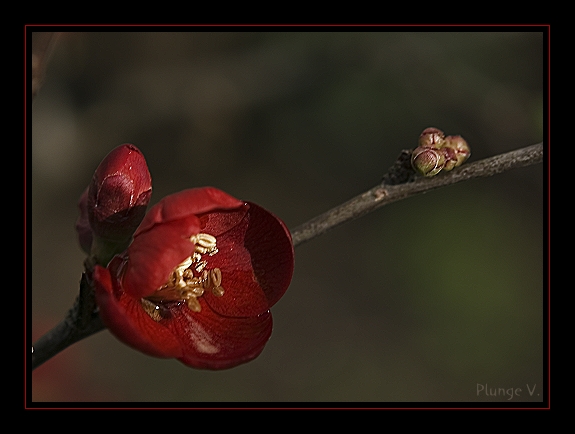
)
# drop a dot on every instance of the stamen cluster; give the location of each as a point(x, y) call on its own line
point(189, 279)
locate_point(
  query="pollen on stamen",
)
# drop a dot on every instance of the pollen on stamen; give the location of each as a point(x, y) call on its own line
point(193, 304)
point(204, 240)
point(194, 291)
point(218, 291)
point(216, 276)
point(189, 280)
point(185, 263)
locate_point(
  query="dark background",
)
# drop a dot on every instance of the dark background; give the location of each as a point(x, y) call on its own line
point(422, 300)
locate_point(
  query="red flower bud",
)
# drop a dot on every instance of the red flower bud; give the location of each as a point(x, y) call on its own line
point(198, 280)
point(119, 194)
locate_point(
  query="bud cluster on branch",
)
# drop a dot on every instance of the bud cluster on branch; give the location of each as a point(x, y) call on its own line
point(437, 152)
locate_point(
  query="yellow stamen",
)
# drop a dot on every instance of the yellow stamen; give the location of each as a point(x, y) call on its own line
point(188, 280)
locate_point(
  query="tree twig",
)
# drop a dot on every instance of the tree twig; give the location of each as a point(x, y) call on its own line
point(384, 194)
point(83, 320)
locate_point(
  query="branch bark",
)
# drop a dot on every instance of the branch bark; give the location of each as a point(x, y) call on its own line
point(83, 320)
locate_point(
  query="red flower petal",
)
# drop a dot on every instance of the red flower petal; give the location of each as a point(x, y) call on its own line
point(125, 317)
point(255, 257)
point(180, 205)
point(243, 297)
point(270, 245)
point(154, 254)
point(212, 341)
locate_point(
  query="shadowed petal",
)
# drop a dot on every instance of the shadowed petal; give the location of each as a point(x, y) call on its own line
point(154, 254)
point(270, 245)
point(124, 316)
point(180, 205)
point(212, 341)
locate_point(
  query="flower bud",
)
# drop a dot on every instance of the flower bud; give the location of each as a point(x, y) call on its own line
point(458, 151)
point(427, 161)
point(119, 193)
point(116, 202)
point(431, 138)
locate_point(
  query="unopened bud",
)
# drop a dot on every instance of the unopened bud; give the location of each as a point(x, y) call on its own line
point(115, 203)
point(119, 193)
point(431, 138)
point(460, 154)
point(427, 161)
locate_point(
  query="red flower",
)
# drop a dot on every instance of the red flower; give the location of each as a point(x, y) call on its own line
point(198, 280)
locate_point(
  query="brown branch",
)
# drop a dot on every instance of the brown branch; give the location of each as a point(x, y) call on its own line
point(384, 194)
point(83, 320)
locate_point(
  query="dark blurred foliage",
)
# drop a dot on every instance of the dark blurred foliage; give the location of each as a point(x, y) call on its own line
point(422, 300)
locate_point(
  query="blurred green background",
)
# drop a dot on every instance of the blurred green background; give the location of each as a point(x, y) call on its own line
point(422, 300)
